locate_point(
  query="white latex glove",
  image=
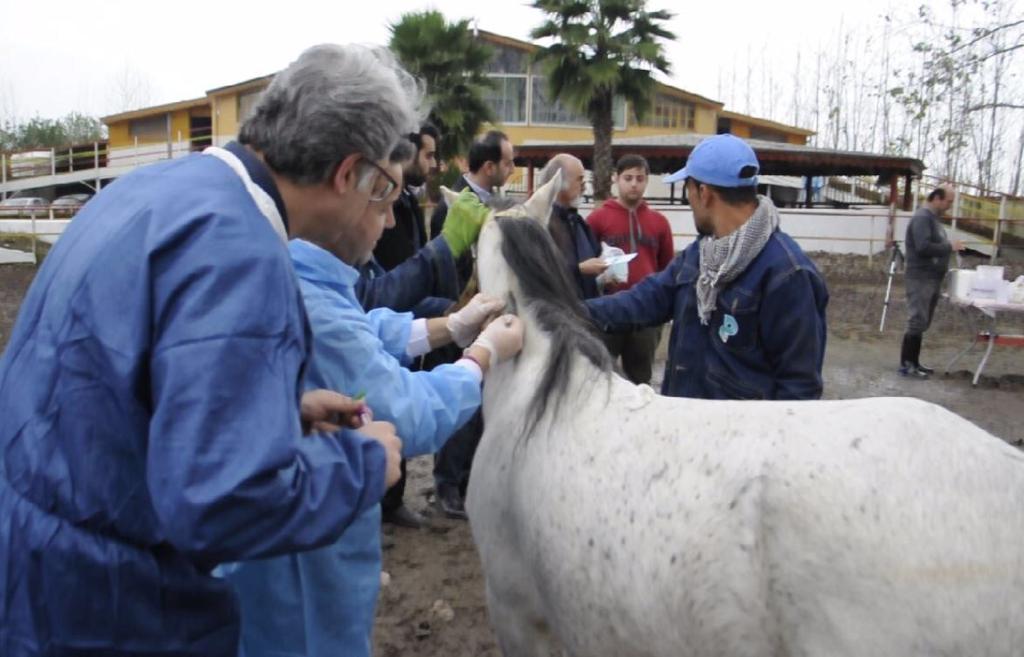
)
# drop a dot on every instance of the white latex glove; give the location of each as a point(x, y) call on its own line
point(465, 324)
point(503, 338)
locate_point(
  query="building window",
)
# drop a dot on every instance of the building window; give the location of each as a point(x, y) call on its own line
point(507, 60)
point(507, 98)
point(149, 128)
point(670, 112)
point(246, 103)
point(545, 112)
point(766, 134)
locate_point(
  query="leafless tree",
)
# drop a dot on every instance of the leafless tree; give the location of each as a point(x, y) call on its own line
point(130, 89)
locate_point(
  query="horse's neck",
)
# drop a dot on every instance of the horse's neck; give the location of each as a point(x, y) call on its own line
point(510, 387)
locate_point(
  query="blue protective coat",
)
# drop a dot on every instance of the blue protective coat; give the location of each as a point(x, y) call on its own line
point(322, 603)
point(149, 424)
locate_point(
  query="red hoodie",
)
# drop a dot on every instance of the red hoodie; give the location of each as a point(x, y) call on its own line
point(646, 233)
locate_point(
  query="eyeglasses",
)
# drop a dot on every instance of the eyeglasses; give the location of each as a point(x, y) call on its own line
point(388, 189)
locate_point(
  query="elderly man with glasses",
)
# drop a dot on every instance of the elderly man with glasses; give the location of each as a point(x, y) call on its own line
point(322, 603)
point(151, 394)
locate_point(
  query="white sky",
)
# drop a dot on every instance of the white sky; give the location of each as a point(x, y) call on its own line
point(58, 56)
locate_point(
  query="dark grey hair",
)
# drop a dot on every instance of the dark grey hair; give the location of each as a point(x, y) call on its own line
point(537, 266)
point(332, 102)
point(403, 151)
point(554, 165)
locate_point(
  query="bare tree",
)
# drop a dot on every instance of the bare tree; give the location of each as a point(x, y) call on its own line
point(130, 89)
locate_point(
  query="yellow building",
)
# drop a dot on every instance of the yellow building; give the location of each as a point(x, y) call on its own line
point(519, 99)
point(524, 111)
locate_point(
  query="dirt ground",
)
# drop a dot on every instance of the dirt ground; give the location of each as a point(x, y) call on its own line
point(433, 602)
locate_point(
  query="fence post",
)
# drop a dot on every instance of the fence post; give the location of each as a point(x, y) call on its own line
point(871, 241)
point(998, 237)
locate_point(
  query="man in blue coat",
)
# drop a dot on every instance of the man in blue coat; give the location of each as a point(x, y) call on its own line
point(150, 393)
point(748, 305)
point(321, 603)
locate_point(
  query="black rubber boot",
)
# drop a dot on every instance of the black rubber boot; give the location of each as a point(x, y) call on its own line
point(909, 353)
point(905, 348)
point(917, 359)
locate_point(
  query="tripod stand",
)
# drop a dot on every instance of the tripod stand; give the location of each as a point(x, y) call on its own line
point(895, 262)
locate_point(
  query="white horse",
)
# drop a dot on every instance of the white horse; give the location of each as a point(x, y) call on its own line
point(612, 521)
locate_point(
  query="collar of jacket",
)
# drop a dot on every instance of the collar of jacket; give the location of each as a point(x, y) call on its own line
point(313, 263)
point(260, 175)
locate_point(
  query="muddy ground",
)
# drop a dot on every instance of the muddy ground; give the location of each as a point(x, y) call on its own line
point(433, 603)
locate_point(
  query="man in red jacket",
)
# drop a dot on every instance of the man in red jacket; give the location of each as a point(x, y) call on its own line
point(629, 224)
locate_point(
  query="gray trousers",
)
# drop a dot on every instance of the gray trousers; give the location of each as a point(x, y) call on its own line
point(922, 295)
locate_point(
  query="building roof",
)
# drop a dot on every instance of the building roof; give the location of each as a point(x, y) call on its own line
point(156, 109)
point(261, 81)
point(667, 153)
point(765, 123)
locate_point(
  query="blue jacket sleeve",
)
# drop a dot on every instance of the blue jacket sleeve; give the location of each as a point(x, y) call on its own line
point(229, 473)
point(425, 407)
point(432, 307)
point(649, 303)
point(429, 273)
point(392, 329)
point(792, 326)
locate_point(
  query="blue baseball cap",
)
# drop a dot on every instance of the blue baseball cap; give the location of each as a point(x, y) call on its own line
point(720, 161)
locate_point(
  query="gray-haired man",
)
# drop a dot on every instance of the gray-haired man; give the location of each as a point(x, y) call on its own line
point(570, 232)
point(150, 391)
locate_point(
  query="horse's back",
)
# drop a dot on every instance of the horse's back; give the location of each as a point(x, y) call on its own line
point(894, 526)
point(885, 526)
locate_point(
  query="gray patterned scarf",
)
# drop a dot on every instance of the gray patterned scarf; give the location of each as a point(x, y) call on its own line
point(723, 259)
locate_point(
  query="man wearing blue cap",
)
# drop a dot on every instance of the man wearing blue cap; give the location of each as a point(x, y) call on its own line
point(748, 305)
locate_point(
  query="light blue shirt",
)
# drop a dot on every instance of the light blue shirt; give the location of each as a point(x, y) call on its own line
point(323, 602)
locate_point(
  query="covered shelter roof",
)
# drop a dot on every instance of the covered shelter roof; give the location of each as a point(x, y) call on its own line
point(667, 153)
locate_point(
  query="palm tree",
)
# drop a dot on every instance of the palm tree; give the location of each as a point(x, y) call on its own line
point(453, 65)
point(602, 49)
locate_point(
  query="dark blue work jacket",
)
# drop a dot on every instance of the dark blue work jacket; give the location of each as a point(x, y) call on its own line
point(765, 338)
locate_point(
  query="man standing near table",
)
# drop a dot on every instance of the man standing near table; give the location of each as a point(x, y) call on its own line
point(928, 250)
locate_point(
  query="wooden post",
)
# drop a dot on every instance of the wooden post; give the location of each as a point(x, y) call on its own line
point(894, 191)
point(907, 192)
point(997, 238)
point(808, 191)
point(529, 179)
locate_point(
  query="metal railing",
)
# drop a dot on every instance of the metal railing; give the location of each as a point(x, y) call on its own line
point(98, 155)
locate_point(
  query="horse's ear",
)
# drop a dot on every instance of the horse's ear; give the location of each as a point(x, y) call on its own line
point(539, 205)
point(449, 196)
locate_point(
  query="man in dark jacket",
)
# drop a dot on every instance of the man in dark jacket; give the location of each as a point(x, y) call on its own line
point(570, 232)
point(404, 248)
point(491, 162)
point(748, 305)
point(928, 250)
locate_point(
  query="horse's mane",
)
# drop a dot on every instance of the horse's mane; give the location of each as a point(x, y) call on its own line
point(551, 295)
